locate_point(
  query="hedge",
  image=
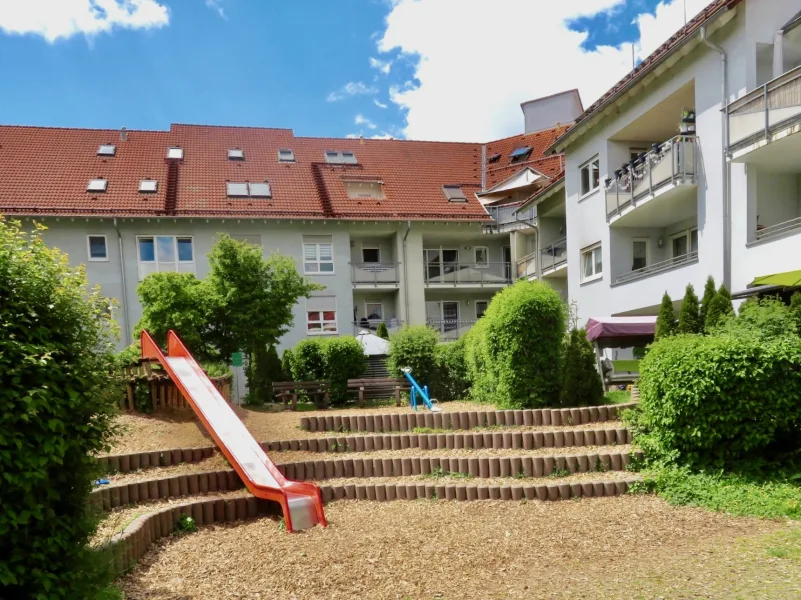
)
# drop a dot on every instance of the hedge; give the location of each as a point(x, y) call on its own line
point(331, 359)
point(413, 347)
point(581, 383)
point(451, 381)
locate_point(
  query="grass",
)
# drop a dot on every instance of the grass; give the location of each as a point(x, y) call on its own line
point(626, 366)
point(617, 397)
point(557, 473)
point(785, 545)
point(440, 473)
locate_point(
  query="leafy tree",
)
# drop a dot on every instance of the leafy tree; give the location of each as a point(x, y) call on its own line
point(286, 365)
point(795, 310)
point(689, 316)
point(381, 331)
point(709, 294)
point(666, 324)
point(413, 347)
point(581, 383)
point(57, 405)
point(264, 367)
point(720, 308)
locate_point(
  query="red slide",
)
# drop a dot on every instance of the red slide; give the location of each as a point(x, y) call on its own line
point(301, 502)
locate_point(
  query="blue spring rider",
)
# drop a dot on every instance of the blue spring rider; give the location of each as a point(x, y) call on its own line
point(422, 391)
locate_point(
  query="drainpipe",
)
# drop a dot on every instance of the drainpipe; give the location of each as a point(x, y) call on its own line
point(726, 167)
point(126, 330)
point(406, 274)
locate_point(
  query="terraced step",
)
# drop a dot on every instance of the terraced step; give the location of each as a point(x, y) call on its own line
point(383, 423)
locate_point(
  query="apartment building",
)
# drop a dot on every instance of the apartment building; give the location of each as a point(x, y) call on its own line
point(689, 166)
point(397, 231)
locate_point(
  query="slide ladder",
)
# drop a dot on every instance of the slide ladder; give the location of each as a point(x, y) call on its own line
point(301, 502)
point(422, 391)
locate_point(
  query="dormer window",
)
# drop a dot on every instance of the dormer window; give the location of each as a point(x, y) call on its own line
point(494, 158)
point(107, 150)
point(175, 153)
point(337, 157)
point(286, 155)
point(364, 189)
point(97, 185)
point(148, 186)
point(236, 154)
point(520, 154)
point(454, 193)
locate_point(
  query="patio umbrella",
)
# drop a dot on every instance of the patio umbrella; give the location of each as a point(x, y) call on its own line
point(788, 279)
point(372, 344)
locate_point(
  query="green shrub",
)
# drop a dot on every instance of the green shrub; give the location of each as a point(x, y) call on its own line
point(581, 383)
point(450, 381)
point(308, 360)
point(795, 311)
point(286, 365)
point(216, 369)
point(712, 399)
point(481, 380)
point(719, 310)
point(523, 337)
point(709, 294)
point(344, 359)
point(129, 356)
point(57, 404)
point(264, 367)
point(381, 331)
point(413, 347)
point(666, 324)
point(761, 318)
point(689, 315)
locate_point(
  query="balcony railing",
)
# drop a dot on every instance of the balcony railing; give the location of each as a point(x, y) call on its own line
point(527, 266)
point(371, 325)
point(554, 256)
point(459, 273)
point(672, 162)
point(665, 265)
point(374, 274)
point(451, 329)
point(507, 217)
point(772, 107)
point(778, 229)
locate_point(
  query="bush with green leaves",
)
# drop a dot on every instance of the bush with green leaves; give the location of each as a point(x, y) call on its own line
point(689, 315)
point(760, 318)
point(382, 331)
point(523, 337)
point(713, 399)
point(481, 379)
point(286, 365)
point(666, 324)
point(264, 368)
point(450, 381)
point(719, 310)
point(581, 383)
point(795, 311)
point(709, 293)
point(57, 405)
point(344, 359)
point(413, 347)
point(308, 360)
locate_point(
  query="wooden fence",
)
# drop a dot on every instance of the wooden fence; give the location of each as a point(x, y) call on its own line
point(149, 388)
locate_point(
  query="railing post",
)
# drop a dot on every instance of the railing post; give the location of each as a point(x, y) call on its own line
point(649, 166)
point(767, 113)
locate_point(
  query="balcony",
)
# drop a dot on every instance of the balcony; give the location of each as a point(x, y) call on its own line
point(765, 115)
point(451, 329)
point(371, 325)
point(506, 218)
point(459, 274)
point(660, 267)
point(553, 258)
point(375, 275)
point(777, 230)
point(664, 172)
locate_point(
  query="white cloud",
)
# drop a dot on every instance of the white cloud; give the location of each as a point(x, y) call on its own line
point(353, 88)
point(216, 5)
point(448, 102)
point(378, 103)
point(382, 65)
point(362, 120)
point(62, 19)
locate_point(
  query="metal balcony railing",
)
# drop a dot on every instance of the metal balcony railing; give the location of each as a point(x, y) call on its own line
point(504, 215)
point(767, 109)
point(672, 162)
point(451, 329)
point(371, 325)
point(659, 267)
point(459, 273)
point(554, 256)
point(527, 266)
point(778, 229)
point(374, 274)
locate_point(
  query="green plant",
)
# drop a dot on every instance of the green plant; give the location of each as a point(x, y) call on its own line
point(481, 380)
point(639, 352)
point(143, 399)
point(286, 365)
point(428, 430)
point(436, 473)
point(520, 475)
point(795, 311)
point(719, 310)
point(689, 315)
point(617, 397)
point(57, 404)
point(600, 466)
point(308, 360)
point(185, 524)
point(264, 367)
point(709, 294)
point(581, 383)
point(344, 359)
point(762, 318)
point(129, 356)
point(666, 324)
point(216, 369)
point(450, 380)
point(560, 472)
point(381, 331)
point(413, 347)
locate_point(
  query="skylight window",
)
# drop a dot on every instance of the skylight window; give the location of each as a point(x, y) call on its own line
point(336, 157)
point(237, 189)
point(252, 190)
point(520, 153)
point(349, 158)
point(148, 185)
point(107, 150)
point(236, 154)
point(286, 155)
point(175, 153)
point(260, 190)
point(494, 158)
point(454, 193)
point(97, 185)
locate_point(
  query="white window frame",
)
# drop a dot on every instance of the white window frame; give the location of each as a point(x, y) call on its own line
point(596, 275)
point(322, 322)
point(477, 264)
point(475, 307)
point(371, 247)
point(588, 165)
point(155, 260)
point(89, 247)
point(317, 260)
point(647, 250)
point(442, 264)
point(98, 185)
point(376, 302)
point(144, 184)
point(288, 159)
point(687, 233)
point(175, 153)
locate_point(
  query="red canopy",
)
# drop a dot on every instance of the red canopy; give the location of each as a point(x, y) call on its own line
point(619, 327)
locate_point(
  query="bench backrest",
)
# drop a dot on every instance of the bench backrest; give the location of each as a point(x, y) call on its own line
point(383, 382)
point(284, 386)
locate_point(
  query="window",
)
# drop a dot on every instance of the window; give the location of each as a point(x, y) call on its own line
point(260, 190)
point(318, 255)
point(374, 311)
point(684, 242)
point(337, 157)
point(163, 253)
point(520, 154)
point(349, 158)
point(454, 193)
point(97, 185)
point(321, 315)
point(175, 153)
point(482, 257)
point(494, 158)
point(236, 189)
point(439, 264)
point(442, 315)
point(634, 153)
point(590, 176)
point(481, 308)
point(591, 263)
point(365, 189)
point(236, 154)
point(640, 251)
point(107, 150)
point(97, 248)
point(286, 155)
point(148, 186)
point(371, 254)
point(244, 190)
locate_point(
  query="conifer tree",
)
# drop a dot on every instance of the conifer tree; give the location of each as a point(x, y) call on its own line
point(666, 324)
point(689, 316)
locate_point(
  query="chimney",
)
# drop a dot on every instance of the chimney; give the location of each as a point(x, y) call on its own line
point(361, 139)
point(123, 134)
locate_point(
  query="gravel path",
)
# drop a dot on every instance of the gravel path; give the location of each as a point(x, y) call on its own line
point(612, 548)
point(217, 462)
point(450, 480)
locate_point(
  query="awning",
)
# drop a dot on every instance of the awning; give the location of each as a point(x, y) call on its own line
point(620, 327)
point(788, 279)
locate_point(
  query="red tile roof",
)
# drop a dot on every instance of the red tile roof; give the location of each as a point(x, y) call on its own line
point(539, 142)
point(46, 171)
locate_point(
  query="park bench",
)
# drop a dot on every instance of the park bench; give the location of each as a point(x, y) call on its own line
point(382, 387)
point(290, 390)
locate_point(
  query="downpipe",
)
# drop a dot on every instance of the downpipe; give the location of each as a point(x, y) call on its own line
point(126, 330)
point(406, 274)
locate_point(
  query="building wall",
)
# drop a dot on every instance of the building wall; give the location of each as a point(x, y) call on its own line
point(545, 113)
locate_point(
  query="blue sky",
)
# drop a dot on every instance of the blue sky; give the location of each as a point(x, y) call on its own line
point(302, 65)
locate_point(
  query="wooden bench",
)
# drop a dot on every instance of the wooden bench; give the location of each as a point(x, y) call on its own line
point(377, 386)
point(317, 390)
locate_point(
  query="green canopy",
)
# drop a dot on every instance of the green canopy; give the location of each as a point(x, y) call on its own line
point(789, 279)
